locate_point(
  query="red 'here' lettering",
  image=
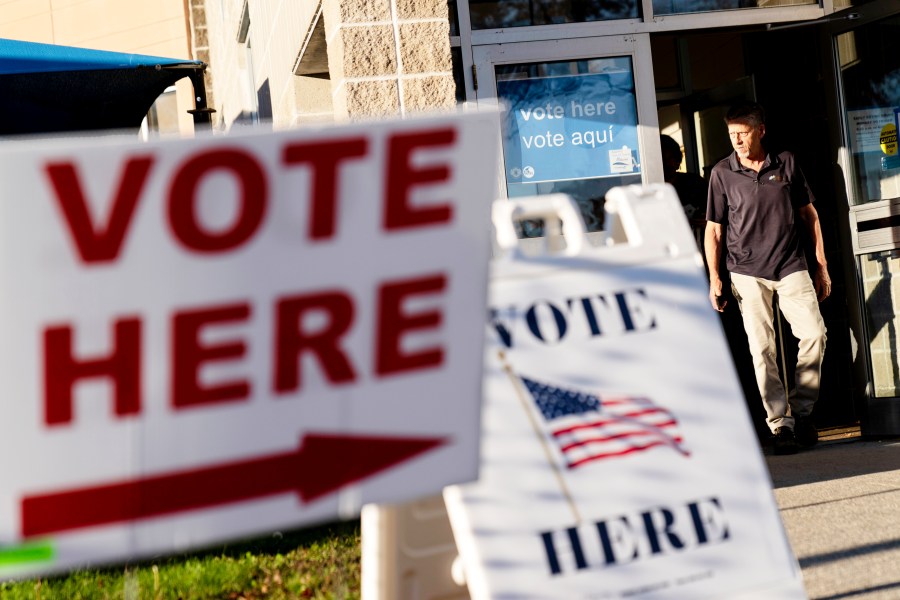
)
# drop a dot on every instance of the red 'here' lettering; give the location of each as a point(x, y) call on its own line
point(314, 324)
point(62, 370)
point(292, 341)
point(393, 323)
point(189, 354)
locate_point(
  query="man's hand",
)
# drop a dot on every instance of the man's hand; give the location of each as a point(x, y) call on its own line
point(822, 283)
point(712, 242)
point(716, 298)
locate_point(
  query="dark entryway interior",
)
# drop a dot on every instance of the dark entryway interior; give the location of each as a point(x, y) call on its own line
point(698, 75)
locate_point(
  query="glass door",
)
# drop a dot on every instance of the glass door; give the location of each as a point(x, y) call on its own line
point(867, 57)
point(578, 117)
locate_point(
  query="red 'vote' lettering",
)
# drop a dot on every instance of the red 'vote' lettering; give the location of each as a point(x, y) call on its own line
point(293, 337)
point(98, 243)
point(183, 199)
point(402, 178)
point(325, 157)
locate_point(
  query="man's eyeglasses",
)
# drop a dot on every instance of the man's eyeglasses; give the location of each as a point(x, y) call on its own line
point(735, 135)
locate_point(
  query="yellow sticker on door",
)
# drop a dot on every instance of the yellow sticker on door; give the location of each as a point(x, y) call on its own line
point(888, 139)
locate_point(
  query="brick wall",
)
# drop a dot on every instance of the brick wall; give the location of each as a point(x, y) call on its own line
point(385, 57)
point(200, 42)
point(388, 56)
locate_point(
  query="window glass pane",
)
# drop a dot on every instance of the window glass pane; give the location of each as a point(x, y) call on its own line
point(869, 59)
point(454, 17)
point(666, 69)
point(456, 60)
point(495, 14)
point(570, 127)
point(839, 4)
point(883, 316)
point(670, 7)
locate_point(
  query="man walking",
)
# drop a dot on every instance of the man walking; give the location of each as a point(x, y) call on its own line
point(761, 201)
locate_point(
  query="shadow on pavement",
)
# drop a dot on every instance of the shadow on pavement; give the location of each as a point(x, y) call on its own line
point(828, 461)
point(859, 593)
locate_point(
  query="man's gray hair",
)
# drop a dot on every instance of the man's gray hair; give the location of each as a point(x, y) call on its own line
point(747, 113)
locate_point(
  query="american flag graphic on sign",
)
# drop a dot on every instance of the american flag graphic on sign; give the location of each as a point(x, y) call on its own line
point(587, 428)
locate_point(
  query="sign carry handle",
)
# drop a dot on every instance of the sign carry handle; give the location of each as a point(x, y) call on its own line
point(549, 208)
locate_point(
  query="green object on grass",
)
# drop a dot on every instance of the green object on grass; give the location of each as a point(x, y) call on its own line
point(23, 554)
point(321, 563)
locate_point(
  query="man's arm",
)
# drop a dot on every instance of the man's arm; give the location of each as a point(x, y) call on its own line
point(822, 280)
point(713, 246)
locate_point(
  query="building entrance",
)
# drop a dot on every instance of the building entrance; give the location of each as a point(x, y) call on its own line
point(698, 76)
point(867, 70)
point(578, 118)
point(583, 106)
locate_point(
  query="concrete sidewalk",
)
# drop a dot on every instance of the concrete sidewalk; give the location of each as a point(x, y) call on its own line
point(840, 503)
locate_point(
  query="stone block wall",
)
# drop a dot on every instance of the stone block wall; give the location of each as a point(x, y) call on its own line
point(385, 58)
point(388, 57)
point(200, 42)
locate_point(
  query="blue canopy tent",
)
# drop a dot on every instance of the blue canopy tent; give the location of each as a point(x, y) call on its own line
point(47, 88)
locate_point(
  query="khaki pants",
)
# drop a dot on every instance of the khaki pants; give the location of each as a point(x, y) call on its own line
point(797, 300)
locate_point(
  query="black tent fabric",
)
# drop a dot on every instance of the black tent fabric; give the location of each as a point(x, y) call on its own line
point(46, 88)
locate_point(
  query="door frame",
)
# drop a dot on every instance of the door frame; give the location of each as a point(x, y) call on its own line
point(637, 47)
point(880, 415)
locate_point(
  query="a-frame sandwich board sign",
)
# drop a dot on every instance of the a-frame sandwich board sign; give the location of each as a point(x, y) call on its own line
point(617, 458)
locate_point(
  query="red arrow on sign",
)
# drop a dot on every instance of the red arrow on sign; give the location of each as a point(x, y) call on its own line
point(321, 465)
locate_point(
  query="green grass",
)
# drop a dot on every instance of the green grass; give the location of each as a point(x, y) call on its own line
point(321, 563)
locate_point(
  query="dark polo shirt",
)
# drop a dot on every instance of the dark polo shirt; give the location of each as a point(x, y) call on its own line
point(759, 213)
